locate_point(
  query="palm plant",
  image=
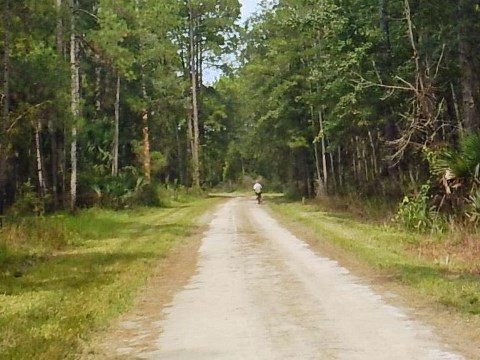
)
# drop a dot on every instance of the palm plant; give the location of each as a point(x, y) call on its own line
point(459, 175)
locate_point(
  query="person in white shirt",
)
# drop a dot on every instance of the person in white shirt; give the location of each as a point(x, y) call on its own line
point(257, 188)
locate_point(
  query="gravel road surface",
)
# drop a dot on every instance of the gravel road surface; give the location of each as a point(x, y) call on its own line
point(261, 293)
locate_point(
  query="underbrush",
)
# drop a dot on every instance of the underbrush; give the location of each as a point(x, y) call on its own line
point(367, 208)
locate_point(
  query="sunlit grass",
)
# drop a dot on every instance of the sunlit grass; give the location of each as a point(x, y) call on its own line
point(448, 280)
point(51, 299)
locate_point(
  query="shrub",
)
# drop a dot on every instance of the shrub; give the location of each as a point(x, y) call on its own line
point(415, 212)
point(27, 202)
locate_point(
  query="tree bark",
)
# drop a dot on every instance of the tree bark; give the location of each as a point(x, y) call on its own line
point(59, 29)
point(385, 23)
point(39, 160)
point(146, 136)
point(340, 168)
point(52, 128)
point(5, 101)
point(75, 104)
point(146, 157)
point(324, 155)
point(98, 85)
point(374, 154)
point(332, 170)
point(319, 183)
point(469, 78)
point(54, 161)
point(194, 114)
point(117, 129)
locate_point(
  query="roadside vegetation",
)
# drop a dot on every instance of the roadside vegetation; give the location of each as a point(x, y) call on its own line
point(442, 266)
point(64, 276)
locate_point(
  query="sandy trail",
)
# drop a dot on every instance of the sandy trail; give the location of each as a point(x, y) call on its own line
point(261, 293)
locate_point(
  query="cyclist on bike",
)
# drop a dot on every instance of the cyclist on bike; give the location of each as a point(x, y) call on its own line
point(257, 188)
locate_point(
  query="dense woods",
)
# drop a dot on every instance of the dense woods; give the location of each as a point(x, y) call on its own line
point(102, 100)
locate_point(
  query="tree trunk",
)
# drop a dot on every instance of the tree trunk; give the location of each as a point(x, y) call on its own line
point(98, 85)
point(358, 159)
point(117, 129)
point(324, 155)
point(54, 161)
point(146, 149)
point(385, 23)
point(145, 132)
point(315, 149)
point(374, 154)
point(194, 114)
point(39, 160)
point(5, 102)
point(332, 170)
point(59, 29)
point(319, 183)
point(365, 161)
point(456, 108)
point(469, 78)
point(75, 104)
point(146, 158)
point(340, 168)
point(52, 128)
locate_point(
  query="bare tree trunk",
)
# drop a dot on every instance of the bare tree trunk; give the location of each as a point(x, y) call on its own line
point(146, 157)
point(54, 161)
point(316, 152)
point(98, 85)
point(145, 132)
point(5, 102)
point(117, 129)
point(52, 127)
point(457, 111)
point(340, 168)
point(332, 170)
point(469, 76)
point(324, 155)
point(194, 115)
point(374, 154)
point(39, 160)
point(181, 171)
point(354, 160)
point(75, 104)
point(59, 29)
point(365, 161)
point(358, 159)
point(385, 23)
point(320, 189)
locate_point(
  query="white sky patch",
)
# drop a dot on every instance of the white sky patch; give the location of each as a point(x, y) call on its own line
point(249, 7)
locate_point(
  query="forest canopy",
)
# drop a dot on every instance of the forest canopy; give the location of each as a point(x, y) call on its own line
point(104, 99)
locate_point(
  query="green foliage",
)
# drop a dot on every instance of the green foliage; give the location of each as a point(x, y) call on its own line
point(473, 208)
point(122, 191)
point(416, 213)
point(466, 163)
point(28, 202)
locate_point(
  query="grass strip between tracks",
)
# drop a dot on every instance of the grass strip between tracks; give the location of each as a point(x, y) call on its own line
point(59, 298)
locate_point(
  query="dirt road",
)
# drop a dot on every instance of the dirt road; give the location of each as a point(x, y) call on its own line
point(261, 293)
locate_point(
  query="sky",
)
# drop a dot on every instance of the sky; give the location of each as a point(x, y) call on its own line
point(248, 8)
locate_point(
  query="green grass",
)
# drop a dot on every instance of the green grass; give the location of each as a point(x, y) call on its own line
point(394, 253)
point(66, 292)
